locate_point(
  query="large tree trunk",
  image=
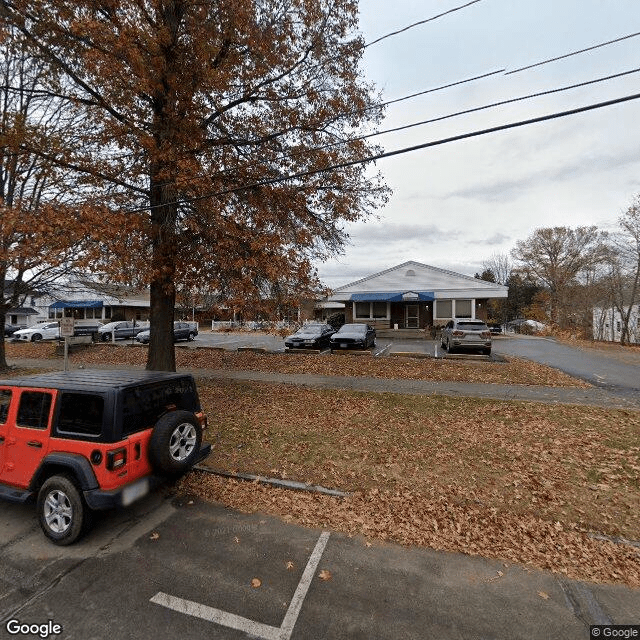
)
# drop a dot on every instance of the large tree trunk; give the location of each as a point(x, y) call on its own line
point(161, 356)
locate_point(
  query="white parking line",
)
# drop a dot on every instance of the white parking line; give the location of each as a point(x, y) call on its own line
point(256, 629)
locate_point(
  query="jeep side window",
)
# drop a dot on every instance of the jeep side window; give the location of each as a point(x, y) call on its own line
point(33, 410)
point(5, 401)
point(81, 413)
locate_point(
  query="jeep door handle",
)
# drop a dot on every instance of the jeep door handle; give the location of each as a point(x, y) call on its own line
point(35, 443)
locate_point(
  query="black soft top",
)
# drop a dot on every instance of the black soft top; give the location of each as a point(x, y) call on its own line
point(92, 379)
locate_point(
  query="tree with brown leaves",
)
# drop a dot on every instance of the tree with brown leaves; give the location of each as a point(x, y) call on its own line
point(39, 243)
point(209, 128)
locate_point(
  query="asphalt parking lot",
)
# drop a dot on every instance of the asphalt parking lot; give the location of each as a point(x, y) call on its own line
point(170, 567)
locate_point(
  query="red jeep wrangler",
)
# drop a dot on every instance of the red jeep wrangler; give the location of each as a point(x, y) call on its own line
point(84, 440)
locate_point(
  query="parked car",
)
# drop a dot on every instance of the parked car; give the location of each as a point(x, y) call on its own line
point(39, 331)
point(121, 330)
point(496, 329)
point(92, 440)
point(354, 336)
point(50, 330)
point(466, 334)
point(181, 331)
point(10, 329)
point(313, 335)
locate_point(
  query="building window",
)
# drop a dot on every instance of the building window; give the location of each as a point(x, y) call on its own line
point(371, 310)
point(379, 309)
point(444, 309)
point(363, 309)
point(463, 308)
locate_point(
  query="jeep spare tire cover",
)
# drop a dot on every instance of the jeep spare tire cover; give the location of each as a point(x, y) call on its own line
point(175, 442)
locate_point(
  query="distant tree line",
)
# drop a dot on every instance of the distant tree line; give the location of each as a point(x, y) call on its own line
point(559, 274)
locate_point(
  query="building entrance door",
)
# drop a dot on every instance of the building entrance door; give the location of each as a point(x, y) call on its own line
point(412, 317)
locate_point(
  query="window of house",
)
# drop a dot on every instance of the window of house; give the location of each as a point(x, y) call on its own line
point(33, 410)
point(371, 310)
point(379, 309)
point(444, 309)
point(363, 309)
point(463, 308)
point(5, 401)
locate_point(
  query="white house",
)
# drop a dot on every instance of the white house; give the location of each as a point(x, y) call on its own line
point(607, 324)
point(413, 295)
point(83, 300)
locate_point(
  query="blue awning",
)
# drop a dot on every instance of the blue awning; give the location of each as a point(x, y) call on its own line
point(387, 296)
point(77, 304)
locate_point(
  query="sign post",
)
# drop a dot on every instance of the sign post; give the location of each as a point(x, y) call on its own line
point(66, 332)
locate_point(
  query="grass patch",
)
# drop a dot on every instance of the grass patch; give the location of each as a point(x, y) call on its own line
point(518, 481)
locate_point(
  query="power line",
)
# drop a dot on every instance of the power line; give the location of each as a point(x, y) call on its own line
point(402, 151)
point(492, 105)
point(415, 24)
point(573, 53)
point(437, 119)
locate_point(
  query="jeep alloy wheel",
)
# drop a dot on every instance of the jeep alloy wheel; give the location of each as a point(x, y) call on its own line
point(175, 442)
point(62, 513)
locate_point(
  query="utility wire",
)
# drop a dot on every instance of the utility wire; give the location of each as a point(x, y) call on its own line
point(488, 106)
point(389, 154)
point(432, 120)
point(415, 24)
point(573, 53)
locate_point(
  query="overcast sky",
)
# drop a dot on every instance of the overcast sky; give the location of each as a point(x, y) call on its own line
point(455, 205)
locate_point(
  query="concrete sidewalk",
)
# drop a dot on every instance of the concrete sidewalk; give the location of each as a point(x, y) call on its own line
point(597, 397)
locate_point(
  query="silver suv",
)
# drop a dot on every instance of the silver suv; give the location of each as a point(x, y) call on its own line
point(466, 334)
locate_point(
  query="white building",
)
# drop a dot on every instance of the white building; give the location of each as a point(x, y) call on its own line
point(607, 324)
point(413, 295)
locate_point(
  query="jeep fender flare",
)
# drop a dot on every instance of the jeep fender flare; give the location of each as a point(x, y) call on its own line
point(72, 464)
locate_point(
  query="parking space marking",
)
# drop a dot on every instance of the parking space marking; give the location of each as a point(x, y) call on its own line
point(256, 629)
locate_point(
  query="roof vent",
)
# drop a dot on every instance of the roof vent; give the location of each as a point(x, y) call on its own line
point(410, 272)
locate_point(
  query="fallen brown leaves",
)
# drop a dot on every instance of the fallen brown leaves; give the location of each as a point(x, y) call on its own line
point(517, 481)
point(516, 371)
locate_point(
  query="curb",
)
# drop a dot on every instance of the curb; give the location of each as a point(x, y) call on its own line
point(275, 482)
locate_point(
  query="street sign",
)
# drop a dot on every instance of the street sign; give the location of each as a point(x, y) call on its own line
point(66, 327)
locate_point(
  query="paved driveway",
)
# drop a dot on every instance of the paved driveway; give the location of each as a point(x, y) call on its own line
point(168, 568)
point(608, 369)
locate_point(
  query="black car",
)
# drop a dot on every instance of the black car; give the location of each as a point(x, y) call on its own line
point(181, 331)
point(10, 329)
point(313, 335)
point(354, 336)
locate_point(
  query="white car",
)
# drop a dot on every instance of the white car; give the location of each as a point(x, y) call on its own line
point(40, 331)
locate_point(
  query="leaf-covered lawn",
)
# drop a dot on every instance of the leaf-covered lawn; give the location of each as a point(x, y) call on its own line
point(517, 481)
point(515, 371)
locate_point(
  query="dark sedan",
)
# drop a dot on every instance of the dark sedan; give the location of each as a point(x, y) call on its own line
point(311, 336)
point(181, 331)
point(354, 336)
point(10, 329)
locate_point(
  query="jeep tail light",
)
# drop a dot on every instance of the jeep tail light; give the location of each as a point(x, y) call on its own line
point(116, 458)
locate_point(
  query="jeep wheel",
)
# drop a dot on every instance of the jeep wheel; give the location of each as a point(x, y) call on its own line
point(175, 442)
point(63, 515)
point(35, 337)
